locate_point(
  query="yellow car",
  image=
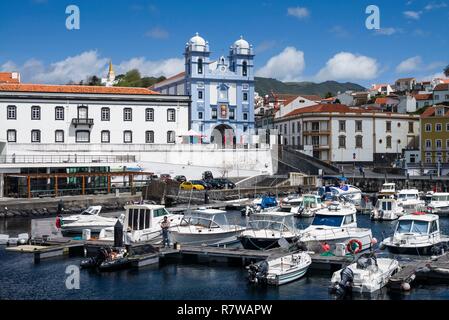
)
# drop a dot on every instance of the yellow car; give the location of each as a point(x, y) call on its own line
point(188, 185)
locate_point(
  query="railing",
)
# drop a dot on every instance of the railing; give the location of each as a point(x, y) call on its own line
point(27, 159)
point(82, 121)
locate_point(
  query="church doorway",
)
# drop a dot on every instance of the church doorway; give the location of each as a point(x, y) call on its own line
point(224, 136)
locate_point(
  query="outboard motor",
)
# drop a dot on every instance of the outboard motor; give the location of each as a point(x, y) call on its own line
point(439, 249)
point(257, 273)
point(344, 286)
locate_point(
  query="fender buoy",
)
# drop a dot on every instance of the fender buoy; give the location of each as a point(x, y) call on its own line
point(354, 246)
point(58, 222)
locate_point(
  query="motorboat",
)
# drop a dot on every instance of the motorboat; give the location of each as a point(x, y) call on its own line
point(206, 227)
point(281, 270)
point(263, 204)
point(416, 233)
point(439, 203)
point(409, 199)
point(333, 225)
point(310, 205)
point(264, 230)
point(94, 222)
point(142, 223)
point(107, 259)
point(367, 275)
point(388, 189)
point(90, 211)
point(387, 209)
point(292, 204)
point(342, 190)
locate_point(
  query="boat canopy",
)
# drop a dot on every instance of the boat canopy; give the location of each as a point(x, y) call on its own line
point(417, 226)
point(205, 217)
point(272, 221)
point(94, 210)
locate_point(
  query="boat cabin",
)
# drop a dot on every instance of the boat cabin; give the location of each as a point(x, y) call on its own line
point(311, 201)
point(206, 218)
point(439, 197)
point(92, 211)
point(386, 204)
point(144, 216)
point(388, 188)
point(408, 194)
point(335, 215)
point(281, 221)
point(421, 224)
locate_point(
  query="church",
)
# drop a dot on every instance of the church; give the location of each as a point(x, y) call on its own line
point(222, 91)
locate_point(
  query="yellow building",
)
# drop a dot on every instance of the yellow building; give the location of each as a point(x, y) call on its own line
point(435, 134)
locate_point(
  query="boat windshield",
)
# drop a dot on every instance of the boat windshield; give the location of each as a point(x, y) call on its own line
point(90, 212)
point(198, 222)
point(326, 220)
point(412, 226)
point(310, 202)
point(405, 196)
point(385, 205)
point(205, 219)
point(272, 222)
point(440, 197)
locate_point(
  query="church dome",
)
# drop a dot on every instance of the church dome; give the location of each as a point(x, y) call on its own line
point(241, 44)
point(197, 43)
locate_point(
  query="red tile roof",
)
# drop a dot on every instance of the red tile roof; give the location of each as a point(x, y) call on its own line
point(442, 87)
point(286, 98)
point(424, 96)
point(341, 108)
point(430, 112)
point(381, 100)
point(74, 89)
point(7, 77)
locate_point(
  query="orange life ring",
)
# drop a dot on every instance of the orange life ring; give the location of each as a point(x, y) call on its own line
point(350, 246)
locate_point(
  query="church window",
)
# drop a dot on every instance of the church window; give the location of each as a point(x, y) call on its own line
point(200, 66)
point(245, 69)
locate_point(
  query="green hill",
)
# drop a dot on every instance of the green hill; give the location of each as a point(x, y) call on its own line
point(266, 85)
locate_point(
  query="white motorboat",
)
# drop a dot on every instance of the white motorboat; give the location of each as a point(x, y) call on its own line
point(347, 191)
point(333, 225)
point(87, 220)
point(265, 229)
point(142, 223)
point(263, 204)
point(206, 226)
point(367, 275)
point(310, 205)
point(409, 199)
point(388, 189)
point(439, 203)
point(291, 204)
point(91, 211)
point(281, 270)
point(417, 233)
point(387, 209)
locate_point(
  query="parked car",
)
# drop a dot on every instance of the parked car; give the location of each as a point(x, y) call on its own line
point(207, 175)
point(165, 177)
point(215, 184)
point(181, 179)
point(205, 184)
point(189, 185)
point(226, 183)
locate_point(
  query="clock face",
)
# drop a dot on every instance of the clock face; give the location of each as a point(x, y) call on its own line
point(223, 68)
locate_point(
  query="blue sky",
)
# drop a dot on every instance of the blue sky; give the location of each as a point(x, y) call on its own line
point(293, 40)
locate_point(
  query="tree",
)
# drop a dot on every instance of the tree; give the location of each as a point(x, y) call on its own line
point(337, 101)
point(93, 81)
point(446, 71)
point(328, 95)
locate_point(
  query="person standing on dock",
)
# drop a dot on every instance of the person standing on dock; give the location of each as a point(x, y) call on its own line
point(165, 225)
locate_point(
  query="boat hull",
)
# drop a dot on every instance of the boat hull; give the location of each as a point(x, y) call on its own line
point(215, 239)
point(316, 244)
point(290, 276)
point(422, 251)
point(261, 243)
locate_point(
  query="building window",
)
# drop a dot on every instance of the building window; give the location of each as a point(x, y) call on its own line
point(342, 142)
point(82, 136)
point(214, 113)
point(447, 144)
point(411, 127)
point(200, 66)
point(293, 127)
point(149, 137)
point(245, 96)
point(315, 126)
point(149, 114)
point(428, 143)
point(245, 69)
point(359, 142)
point(388, 125)
point(170, 137)
point(438, 143)
point(200, 95)
point(231, 114)
point(35, 136)
point(358, 126)
point(245, 116)
point(105, 114)
point(245, 128)
point(11, 135)
point(438, 127)
point(389, 142)
point(171, 115)
point(11, 113)
point(59, 113)
point(285, 128)
point(200, 115)
point(35, 113)
point(59, 136)
point(127, 136)
point(105, 136)
point(342, 125)
point(447, 126)
point(298, 126)
point(83, 112)
point(293, 141)
point(315, 140)
point(127, 114)
point(428, 127)
point(436, 97)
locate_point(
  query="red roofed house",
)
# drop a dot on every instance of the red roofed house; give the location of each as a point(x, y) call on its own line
point(441, 93)
point(423, 100)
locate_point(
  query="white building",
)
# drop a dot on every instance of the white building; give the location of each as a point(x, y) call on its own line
point(423, 100)
point(293, 102)
point(405, 84)
point(407, 103)
point(383, 89)
point(441, 93)
point(339, 133)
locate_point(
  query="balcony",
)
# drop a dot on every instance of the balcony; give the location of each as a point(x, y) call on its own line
point(316, 132)
point(82, 122)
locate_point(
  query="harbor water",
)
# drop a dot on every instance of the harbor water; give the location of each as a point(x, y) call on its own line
point(20, 278)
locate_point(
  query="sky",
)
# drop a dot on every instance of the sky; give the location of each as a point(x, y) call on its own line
point(302, 40)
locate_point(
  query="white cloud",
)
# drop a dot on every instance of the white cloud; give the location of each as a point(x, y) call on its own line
point(157, 33)
point(298, 12)
point(88, 63)
point(348, 66)
point(434, 5)
point(286, 66)
point(412, 14)
point(264, 46)
point(409, 65)
point(387, 31)
point(340, 32)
